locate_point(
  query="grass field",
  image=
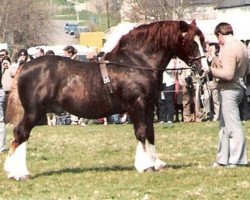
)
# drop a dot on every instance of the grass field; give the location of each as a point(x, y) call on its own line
point(96, 162)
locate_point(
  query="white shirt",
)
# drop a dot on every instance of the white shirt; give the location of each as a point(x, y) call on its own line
point(168, 76)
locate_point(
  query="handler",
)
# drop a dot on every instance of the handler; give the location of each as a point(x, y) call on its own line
point(230, 68)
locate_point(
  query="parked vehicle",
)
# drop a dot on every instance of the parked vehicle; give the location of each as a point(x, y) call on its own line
point(81, 29)
point(70, 28)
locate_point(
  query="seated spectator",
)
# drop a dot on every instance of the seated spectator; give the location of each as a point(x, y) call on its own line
point(114, 119)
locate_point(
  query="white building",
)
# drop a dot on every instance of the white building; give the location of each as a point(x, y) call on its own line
point(237, 13)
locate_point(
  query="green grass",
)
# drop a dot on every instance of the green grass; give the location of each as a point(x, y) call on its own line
point(96, 162)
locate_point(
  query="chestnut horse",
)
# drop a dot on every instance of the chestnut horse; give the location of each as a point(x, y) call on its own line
point(134, 70)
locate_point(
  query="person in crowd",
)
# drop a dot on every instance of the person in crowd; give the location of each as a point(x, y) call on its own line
point(114, 119)
point(71, 52)
point(51, 117)
point(230, 68)
point(7, 78)
point(211, 97)
point(21, 57)
point(2, 97)
point(3, 52)
point(50, 52)
point(39, 52)
point(190, 84)
point(178, 90)
point(245, 103)
point(166, 101)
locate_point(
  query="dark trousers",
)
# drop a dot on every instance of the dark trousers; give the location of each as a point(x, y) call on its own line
point(166, 106)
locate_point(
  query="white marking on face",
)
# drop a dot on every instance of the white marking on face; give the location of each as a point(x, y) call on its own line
point(203, 59)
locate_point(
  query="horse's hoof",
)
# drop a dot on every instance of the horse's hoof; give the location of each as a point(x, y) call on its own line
point(150, 169)
point(162, 169)
point(22, 178)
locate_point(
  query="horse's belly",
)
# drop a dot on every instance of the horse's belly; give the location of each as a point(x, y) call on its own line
point(93, 109)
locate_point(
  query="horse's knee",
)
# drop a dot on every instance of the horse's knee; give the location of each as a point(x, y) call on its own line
point(21, 135)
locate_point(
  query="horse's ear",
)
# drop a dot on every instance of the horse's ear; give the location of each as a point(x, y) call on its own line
point(184, 27)
point(193, 23)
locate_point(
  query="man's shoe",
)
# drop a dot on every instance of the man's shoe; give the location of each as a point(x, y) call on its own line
point(235, 165)
point(217, 165)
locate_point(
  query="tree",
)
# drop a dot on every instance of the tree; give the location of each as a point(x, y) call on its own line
point(148, 10)
point(25, 23)
point(110, 9)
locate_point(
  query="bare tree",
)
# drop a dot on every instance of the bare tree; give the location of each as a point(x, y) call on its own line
point(153, 10)
point(24, 23)
point(148, 10)
point(110, 9)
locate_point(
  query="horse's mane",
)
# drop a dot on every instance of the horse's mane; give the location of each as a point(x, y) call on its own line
point(157, 35)
point(146, 35)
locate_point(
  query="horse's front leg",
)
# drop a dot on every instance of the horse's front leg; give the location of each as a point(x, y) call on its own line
point(15, 164)
point(146, 158)
point(150, 135)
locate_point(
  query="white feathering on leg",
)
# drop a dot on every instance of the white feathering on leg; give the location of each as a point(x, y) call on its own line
point(15, 164)
point(142, 160)
point(147, 159)
point(151, 151)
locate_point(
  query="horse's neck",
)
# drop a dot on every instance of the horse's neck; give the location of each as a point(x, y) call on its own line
point(139, 59)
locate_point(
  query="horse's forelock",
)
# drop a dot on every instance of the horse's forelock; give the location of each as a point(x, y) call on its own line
point(190, 35)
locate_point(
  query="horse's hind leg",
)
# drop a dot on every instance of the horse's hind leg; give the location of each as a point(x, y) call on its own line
point(15, 164)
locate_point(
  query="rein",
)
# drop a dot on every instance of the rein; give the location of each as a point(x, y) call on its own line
point(146, 68)
point(123, 65)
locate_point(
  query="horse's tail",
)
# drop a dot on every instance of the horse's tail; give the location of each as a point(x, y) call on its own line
point(14, 110)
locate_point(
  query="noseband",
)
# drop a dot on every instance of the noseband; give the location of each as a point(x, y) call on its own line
point(193, 59)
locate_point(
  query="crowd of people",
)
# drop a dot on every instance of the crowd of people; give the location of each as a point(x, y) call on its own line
point(218, 94)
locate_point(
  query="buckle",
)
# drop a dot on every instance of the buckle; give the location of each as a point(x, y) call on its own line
point(106, 80)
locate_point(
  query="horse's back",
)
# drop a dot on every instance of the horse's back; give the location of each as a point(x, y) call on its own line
point(75, 86)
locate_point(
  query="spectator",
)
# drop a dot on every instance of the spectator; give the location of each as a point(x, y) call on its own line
point(3, 52)
point(7, 78)
point(50, 52)
point(71, 52)
point(114, 119)
point(21, 57)
point(230, 68)
point(244, 105)
point(190, 84)
point(39, 52)
point(166, 102)
point(51, 117)
point(211, 98)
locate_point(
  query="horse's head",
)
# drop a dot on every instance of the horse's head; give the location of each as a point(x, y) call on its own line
point(191, 45)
